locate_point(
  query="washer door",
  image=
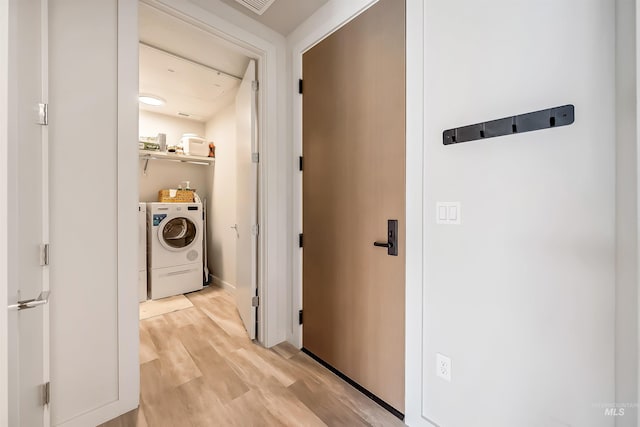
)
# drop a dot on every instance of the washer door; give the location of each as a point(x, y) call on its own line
point(178, 234)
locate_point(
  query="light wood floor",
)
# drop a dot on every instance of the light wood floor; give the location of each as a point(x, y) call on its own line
point(199, 368)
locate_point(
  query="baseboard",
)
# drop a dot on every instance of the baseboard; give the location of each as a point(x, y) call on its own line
point(224, 285)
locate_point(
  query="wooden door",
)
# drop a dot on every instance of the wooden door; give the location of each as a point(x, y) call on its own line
point(353, 182)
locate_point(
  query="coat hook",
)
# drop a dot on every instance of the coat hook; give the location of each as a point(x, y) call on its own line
point(543, 119)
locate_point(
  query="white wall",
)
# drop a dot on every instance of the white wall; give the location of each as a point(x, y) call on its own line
point(93, 201)
point(73, 230)
point(626, 213)
point(521, 296)
point(174, 127)
point(162, 174)
point(221, 129)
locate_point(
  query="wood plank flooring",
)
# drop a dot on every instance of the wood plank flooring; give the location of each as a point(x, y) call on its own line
point(199, 368)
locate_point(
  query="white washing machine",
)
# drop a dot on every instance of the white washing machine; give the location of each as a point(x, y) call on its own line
point(174, 243)
point(142, 252)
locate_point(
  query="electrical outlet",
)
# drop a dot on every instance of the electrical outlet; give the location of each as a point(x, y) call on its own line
point(443, 367)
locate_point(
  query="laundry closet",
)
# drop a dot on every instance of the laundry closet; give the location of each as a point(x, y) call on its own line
point(188, 156)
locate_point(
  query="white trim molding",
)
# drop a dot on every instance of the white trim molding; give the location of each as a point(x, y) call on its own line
point(4, 208)
point(415, 198)
point(637, 162)
point(128, 75)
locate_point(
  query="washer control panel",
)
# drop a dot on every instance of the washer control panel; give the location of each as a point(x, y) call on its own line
point(157, 219)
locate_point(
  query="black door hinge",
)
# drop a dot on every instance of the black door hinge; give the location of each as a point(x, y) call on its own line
point(300, 86)
point(300, 317)
point(300, 240)
point(301, 164)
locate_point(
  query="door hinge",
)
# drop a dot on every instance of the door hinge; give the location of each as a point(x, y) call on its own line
point(301, 165)
point(300, 317)
point(300, 240)
point(255, 85)
point(255, 157)
point(300, 86)
point(44, 254)
point(43, 114)
point(255, 229)
point(46, 393)
point(255, 301)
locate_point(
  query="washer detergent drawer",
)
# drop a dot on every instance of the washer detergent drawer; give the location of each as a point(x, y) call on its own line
point(169, 281)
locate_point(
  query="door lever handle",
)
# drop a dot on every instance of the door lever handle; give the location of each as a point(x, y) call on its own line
point(42, 299)
point(392, 234)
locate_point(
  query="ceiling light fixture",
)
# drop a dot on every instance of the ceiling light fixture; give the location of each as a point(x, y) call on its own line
point(149, 99)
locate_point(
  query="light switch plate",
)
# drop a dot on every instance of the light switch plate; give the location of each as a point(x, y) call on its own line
point(448, 213)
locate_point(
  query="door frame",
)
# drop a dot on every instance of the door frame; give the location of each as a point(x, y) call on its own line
point(323, 23)
point(4, 210)
point(267, 48)
point(9, 195)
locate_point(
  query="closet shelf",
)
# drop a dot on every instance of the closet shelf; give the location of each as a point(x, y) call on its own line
point(147, 155)
point(159, 155)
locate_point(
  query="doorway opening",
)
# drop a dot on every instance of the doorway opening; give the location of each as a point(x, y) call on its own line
point(198, 168)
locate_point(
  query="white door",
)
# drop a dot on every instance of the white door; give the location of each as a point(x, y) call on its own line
point(28, 313)
point(247, 199)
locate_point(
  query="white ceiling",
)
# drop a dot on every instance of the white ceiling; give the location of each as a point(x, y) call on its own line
point(192, 87)
point(188, 88)
point(283, 16)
